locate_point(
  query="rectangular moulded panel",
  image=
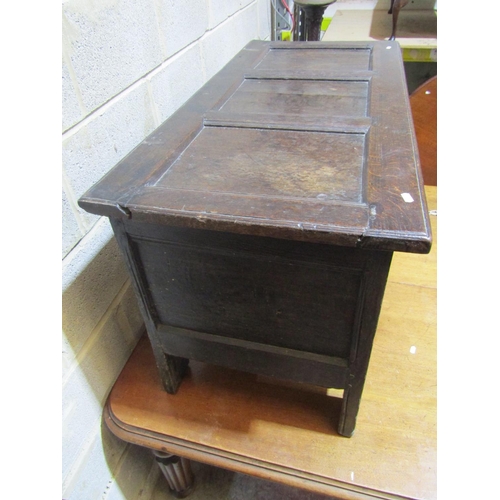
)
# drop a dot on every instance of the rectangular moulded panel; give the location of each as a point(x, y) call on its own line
point(299, 97)
point(314, 59)
point(276, 163)
point(306, 302)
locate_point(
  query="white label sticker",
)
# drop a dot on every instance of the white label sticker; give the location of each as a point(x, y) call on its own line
point(407, 197)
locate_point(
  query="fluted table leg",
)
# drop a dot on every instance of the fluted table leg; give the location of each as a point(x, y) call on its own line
point(177, 472)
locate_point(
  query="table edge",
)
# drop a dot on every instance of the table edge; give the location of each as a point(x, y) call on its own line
point(240, 463)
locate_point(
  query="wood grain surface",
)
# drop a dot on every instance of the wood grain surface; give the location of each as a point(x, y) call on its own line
point(283, 431)
point(424, 110)
point(310, 141)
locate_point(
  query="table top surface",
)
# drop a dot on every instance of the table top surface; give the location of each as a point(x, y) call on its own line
point(310, 141)
point(286, 432)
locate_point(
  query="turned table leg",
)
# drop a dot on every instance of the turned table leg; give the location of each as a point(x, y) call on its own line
point(313, 16)
point(396, 6)
point(177, 472)
point(313, 19)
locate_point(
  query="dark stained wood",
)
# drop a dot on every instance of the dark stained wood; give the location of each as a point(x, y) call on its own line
point(260, 358)
point(201, 288)
point(171, 368)
point(424, 110)
point(314, 56)
point(305, 168)
point(291, 97)
point(282, 431)
point(258, 223)
point(370, 301)
point(389, 168)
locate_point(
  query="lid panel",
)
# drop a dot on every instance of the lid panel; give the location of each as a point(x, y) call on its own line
point(283, 163)
point(316, 59)
point(305, 141)
point(300, 97)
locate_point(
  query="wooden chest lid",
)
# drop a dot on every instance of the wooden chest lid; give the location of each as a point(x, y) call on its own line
point(308, 141)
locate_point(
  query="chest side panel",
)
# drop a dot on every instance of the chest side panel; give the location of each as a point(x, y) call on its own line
point(251, 288)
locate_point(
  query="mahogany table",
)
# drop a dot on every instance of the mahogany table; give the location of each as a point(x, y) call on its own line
point(283, 431)
point(423, 103)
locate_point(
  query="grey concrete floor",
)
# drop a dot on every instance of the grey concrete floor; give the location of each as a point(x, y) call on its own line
point(213, 483)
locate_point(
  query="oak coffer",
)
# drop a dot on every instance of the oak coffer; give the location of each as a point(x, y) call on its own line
point(258, 222)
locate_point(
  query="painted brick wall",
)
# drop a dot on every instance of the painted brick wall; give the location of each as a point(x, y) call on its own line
point(127, 65)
